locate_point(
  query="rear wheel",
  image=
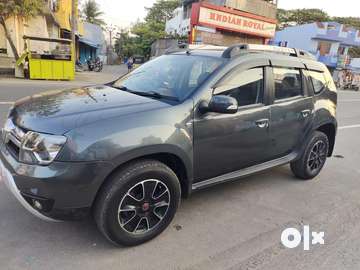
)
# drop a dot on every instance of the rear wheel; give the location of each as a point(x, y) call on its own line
point(313, 158)
point(138, 203)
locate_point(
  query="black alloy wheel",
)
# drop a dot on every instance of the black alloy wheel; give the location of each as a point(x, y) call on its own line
point(144, 206)
point(138, 202)
point(313, 157)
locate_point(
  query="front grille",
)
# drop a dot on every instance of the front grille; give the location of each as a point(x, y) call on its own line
point(12, 136)
point(13, 149)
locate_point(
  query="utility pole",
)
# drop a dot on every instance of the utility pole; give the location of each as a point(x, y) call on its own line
point(73, 29)
point(111, 28)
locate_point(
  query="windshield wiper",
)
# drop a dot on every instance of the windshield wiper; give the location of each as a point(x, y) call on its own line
point(121, 87)
point(152, 94)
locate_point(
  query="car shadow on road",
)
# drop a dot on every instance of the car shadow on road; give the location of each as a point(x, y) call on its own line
point(20, 227)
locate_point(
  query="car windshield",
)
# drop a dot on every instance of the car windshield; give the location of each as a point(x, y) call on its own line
point(174, 76)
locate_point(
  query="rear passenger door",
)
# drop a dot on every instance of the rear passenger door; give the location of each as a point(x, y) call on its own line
point(291, 110)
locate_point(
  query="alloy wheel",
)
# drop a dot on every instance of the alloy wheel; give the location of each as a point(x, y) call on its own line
point(317, 156)
point(144, 206)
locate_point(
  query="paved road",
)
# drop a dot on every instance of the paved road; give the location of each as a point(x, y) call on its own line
point(231, 226)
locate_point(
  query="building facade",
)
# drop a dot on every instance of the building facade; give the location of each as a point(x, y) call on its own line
point(328, 41)
point(52, 22)
point(43, 25)
point(92, 43)
point(355, 65)
point(63, 12)
point(224, 22)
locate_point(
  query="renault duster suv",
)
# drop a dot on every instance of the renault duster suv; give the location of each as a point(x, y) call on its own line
point(129, 150)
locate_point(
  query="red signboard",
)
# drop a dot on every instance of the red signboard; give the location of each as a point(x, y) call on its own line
point(232, 20)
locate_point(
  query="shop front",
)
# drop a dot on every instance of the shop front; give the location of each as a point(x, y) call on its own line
point(218, 25)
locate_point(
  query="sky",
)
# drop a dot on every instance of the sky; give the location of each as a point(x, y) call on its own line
point(122, 13)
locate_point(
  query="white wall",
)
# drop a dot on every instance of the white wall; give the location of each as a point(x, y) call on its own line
point(2, 38)
point(35, 26)
point(299, 36)
point(178, 24)
point(334, 48)
point(355, 63)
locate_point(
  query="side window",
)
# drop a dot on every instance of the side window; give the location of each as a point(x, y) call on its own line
point(287, 83)
point(247, 87)
point(318, 81)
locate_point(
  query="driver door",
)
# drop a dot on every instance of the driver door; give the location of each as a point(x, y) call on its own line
point(225, 143)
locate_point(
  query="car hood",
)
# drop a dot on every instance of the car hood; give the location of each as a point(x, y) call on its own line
point(57, 112)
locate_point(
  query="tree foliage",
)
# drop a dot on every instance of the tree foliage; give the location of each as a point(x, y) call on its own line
point(21, 8)
point(125, 45)
point(92, 13)
point(354, 52)
point(350, 21)
point(161, 11)
point(146, 32)
point(302, 16)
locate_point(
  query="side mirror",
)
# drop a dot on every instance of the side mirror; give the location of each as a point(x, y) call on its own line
point(223, 104)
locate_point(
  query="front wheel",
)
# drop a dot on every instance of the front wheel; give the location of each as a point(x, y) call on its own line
point(98, 68)
point(313, 158)
point(138, 203)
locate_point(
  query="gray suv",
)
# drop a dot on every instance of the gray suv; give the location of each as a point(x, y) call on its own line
point(126, 152)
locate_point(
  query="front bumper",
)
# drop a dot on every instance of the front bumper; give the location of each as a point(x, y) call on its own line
point(6, 176)
point(64, 190)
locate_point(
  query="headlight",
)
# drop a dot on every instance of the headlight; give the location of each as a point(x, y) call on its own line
point(37, 148)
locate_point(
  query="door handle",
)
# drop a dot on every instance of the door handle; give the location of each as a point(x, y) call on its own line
point(262, 123)
point(305, 113)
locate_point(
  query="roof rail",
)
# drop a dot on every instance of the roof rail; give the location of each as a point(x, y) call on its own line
point(237, 49)
point(207, 47)
point(191, 47)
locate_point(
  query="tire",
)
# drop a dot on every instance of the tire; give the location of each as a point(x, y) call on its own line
point(313, 158)
point(128, 216)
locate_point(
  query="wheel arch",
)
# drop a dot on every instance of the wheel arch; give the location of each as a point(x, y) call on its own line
point(175, 160)
point(329, 129)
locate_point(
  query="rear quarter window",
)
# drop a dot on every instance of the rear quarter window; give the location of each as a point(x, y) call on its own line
point(329, 81)
point(318, 81)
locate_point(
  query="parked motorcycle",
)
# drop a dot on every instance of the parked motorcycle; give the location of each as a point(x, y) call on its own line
point(79, 67)
point(91, 64)
point(95, 65)
point(98, 64)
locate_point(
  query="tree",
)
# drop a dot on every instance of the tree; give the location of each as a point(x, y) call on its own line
point(161, 11)
point(302, 16)
point(354, 52)
point(283, 15)
point(91, 13)
point(20, 8)
point(125, 45)
point(350, 21)
point(153, 27)
point(146, 32)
